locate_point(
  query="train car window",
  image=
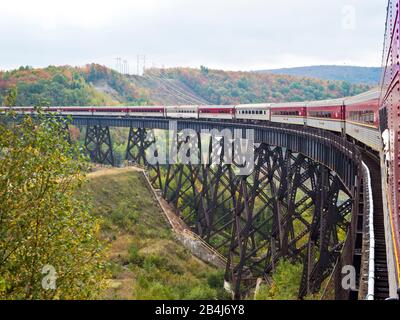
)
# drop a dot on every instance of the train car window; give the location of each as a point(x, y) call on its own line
point(365, 116)
point(286, 113)
point(320, 114)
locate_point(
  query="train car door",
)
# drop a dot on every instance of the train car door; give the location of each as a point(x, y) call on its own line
point(343, 118)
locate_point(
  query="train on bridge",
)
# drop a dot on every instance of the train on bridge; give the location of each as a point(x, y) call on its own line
point(357, 117)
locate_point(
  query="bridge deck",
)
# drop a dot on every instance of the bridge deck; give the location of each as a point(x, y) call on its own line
point(381, 272)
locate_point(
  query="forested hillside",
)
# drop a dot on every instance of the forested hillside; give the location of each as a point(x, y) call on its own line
point(224, 87)
point(68, 86)
point(368, 75)
point(98, 85)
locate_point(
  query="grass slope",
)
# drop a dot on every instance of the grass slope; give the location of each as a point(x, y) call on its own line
point(146, 262)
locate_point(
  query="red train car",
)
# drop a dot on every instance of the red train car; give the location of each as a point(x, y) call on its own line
point(154, 111)
point(217, 112)
point(362, 119)
point(389, 118)
point(326, 114)
point(290, 112)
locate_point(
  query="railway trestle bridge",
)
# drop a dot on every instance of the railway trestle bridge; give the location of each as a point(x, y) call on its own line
point(307, 199)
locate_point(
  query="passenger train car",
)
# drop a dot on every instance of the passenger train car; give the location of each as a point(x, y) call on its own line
point(253, 112)
point(362, 119)
point(181, 112)
point(389, 123)
point(217, 112)
point(292, 113)
point(327, 114)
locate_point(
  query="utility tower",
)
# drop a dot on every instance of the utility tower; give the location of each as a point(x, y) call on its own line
point(141, 64)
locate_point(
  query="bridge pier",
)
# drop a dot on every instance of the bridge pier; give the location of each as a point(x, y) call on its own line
point(138, 141)
point(66, 131)
point(287, 208)
point(98, 144)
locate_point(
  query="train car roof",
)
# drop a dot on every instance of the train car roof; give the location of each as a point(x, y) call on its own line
point(182, 106)
point(373, 94)
point(217, 107)
point(142, 107)
point(326, 103)
point(289, 105)
point(250, 106)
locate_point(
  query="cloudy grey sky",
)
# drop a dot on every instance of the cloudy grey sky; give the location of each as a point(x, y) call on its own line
point(224, 34)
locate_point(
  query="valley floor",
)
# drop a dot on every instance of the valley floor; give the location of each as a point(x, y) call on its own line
point(145, 259)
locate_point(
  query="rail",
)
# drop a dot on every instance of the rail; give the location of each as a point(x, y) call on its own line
point(371, 232)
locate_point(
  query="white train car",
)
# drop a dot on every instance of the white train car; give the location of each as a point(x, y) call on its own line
point(253, 112)
point(182, 112)
point(326, 114)
point(21, 110)
point(291, 112)
point(71, 110)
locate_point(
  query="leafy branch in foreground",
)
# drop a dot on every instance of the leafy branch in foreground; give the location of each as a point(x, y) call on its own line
point(41, 221)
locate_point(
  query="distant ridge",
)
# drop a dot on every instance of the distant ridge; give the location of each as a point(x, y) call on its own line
point(351, 74)
point(94, 84)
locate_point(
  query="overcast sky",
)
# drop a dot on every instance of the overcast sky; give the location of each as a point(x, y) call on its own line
point(223, 34)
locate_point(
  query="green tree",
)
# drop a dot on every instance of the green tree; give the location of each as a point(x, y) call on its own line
point(243, 83)
point(346, 88)
point(204, 70)
point(42, 224)
point(11, 97)
point(285, 283)
point(61, 79)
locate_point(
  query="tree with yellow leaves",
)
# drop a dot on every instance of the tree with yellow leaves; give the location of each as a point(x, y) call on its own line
point(49, 244)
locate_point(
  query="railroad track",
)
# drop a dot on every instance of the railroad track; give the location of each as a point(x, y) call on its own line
point(381, 272)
